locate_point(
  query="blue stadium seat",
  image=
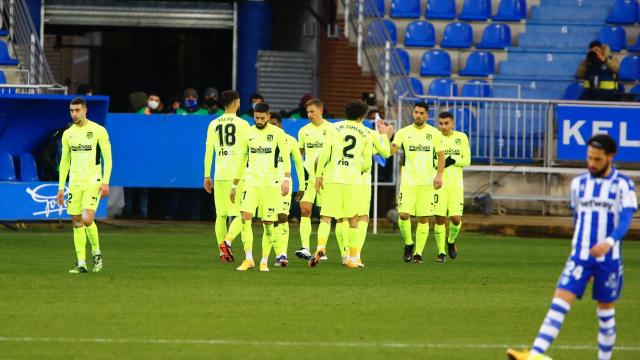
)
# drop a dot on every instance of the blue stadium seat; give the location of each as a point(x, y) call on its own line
point(635, 47)
point(495, 36)
point(399, 63)
point(7, 170)
point(4, 32)
point(405, 9)
point(5, 58)
point(479, 63)
point(511, 10)
point(623, 12)
point(476, 88)
point(573, 91)
point(373, 8)
point(630, 68)
point(376, 34)
point(443, 87)
point(420, 33)
point(401, 88)
point(441, 9)
point(457, 35)
point(635, 91)
point(28, 168)
point(3, 79)
point(614, 36)
point(435, 63)
point(475, 10)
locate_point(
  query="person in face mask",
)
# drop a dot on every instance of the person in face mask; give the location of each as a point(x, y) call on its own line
point(211, 102)
point(154, 106)
point(190, 104)
point(253, 100)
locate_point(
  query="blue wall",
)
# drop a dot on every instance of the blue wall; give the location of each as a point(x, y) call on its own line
point(25, 120)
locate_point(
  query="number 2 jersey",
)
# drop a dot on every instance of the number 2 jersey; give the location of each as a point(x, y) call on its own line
point(223, 136)
point(347, 154)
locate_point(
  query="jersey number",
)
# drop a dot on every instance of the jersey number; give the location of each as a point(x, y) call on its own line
point(352, 143)
point(229, 137)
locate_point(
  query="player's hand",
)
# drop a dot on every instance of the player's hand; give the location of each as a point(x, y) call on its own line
point(319, 184)
point(285, 187)
point(299, 195)
point(437, 182)
point(232, 195)
point(104, 190)
point(207, 184)
point(60, 198)
point(600, 249)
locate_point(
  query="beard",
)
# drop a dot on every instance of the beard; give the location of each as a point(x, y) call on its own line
point(600, 172)
point(261, 126)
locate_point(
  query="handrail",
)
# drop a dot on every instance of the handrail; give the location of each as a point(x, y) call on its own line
point(25, 41)
point(34, 88)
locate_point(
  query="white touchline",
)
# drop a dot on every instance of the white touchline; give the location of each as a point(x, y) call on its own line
point(295, 343)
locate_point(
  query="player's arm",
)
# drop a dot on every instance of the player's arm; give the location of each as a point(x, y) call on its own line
point(286, 158)
point(298, 165)
point(105, 147)
point(397, 143)
point(323, 158)
point(367, 157)
point(209, 150)
point(381, 144)
point(243, 157)
point(629, 206)
point(65, 164)
point(438, 148)
point(465, 153)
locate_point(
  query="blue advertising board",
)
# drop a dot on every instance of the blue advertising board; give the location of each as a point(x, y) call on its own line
point(578, 123)
point(36, 201)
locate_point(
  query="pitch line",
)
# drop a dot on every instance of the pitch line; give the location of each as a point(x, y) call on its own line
point(392, 345)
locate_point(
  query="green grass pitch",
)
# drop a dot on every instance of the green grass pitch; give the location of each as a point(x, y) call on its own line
point(164, 295)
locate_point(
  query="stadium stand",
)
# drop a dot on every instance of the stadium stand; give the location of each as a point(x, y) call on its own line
point(476, 88)
point(624, 12)
point(511, 10)
point(379, 27)
point(495, 36)
point(630, 68)
point(614, 36)
point(435, 63)
point(441, 9)
point(405, 9)
point(399, 64)
point(401, 87)
point(443, 87)
point(475, 10)
point(573, 91)
point(457, 35)
point(28, 169)
point(636, 46)
point(7, 169)
point(5, 58)
point(479, 63)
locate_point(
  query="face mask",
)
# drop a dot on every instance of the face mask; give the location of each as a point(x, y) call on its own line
point(152, 104)
point(191, 103)
point(210, 102)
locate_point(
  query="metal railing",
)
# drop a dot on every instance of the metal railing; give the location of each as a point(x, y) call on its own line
point(25, 41)
point(33, 89)
point(376, 48)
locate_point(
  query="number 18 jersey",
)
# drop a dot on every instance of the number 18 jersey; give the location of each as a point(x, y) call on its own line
point(223, 136)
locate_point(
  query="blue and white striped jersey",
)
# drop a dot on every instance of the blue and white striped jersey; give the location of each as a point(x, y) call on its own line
point(597, 203)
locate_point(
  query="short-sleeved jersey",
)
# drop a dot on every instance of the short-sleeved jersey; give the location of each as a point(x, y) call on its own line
point(311, 138)
point(419, 147)
point(379, 146)
point(348, 153)
point(292, 143)
point(261, 150)
point(597, 203)
point(82, 149)
point(224, 135)
point(455, 145)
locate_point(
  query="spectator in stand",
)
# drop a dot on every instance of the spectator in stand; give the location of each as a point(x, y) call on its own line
point(211, 102)
point(599, 70)
point(253, 101)
point(190, 104)
point(173, 104)
point(153, 105)
point(301, 111)
point(84, 90)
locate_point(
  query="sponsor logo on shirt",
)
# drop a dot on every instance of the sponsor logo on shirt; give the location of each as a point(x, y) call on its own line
point(314, 145)
point(452, 152)
point(81, 147)
point(419, 148)
point(261, 150)
point(595, 204)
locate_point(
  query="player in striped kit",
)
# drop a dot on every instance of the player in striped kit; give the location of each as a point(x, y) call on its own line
point(603, 201)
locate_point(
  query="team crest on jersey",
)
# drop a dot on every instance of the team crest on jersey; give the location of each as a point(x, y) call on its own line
point(269, 138)
point(428, 136)
point(458, 141)
point(89, 134)
point(324, 132)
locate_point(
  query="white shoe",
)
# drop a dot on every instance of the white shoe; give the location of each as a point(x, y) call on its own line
point(97, 262)
point(324, 258)
point(303, 253)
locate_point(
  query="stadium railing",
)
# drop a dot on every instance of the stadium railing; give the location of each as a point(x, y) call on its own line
point(374, 42)
point(33, 89)
point(25, 41)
